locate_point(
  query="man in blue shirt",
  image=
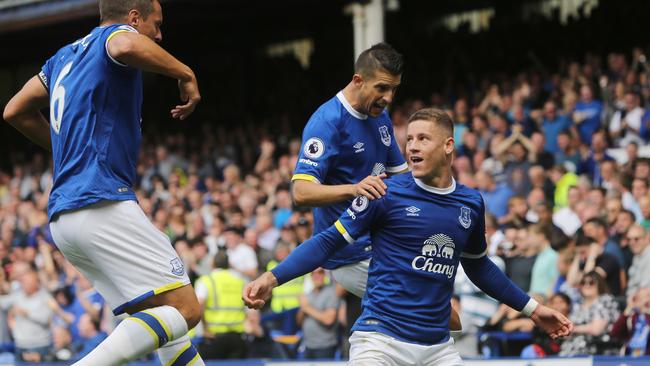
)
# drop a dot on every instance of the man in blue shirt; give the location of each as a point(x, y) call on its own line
point(587, 114)
point(421, 230)
point(348, 147)
point(93, 88)
point(552, 124)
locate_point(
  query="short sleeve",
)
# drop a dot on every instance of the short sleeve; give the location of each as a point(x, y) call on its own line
point(46, 72)
point(119, 29)
point(395, 162)
point(359, 217)
point(477, 244)
point(319, 149)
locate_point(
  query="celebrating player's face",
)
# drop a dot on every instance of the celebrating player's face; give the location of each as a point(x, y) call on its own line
point(150, 26)
point(427, 147)
point(377, 92)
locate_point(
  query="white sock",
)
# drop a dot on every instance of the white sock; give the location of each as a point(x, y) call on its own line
point(179, 352)
point(136, 336)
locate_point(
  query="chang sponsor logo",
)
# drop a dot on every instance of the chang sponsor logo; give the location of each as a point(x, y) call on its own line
point(436, 247)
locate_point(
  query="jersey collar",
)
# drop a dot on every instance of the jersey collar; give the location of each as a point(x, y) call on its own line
point(436, 190)
point(348, 107)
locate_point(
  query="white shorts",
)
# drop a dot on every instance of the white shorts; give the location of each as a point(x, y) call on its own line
point(353, 277)
point(377, 349)
point(120, 251)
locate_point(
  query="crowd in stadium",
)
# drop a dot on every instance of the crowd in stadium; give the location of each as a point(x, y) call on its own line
point(556, 156)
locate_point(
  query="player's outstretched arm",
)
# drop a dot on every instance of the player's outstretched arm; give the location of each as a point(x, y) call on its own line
point(140, 52)
point(306, 193)
point(305, 258)
point(489, 278)
point(23, 113)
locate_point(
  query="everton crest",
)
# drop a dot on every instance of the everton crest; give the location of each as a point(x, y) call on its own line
point(385, 136)
point(464, 218)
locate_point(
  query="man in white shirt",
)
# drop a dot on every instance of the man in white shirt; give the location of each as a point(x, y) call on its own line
point(625, 124)
point(242, 257)
point(567, 218)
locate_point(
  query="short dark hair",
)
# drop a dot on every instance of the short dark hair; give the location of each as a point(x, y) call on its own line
point(598, 222)
point(221, 259)
point(629, 213)
point(584, 240)
point(381, 56)
point(565, 298)
point(435, 115)
point(118, 9)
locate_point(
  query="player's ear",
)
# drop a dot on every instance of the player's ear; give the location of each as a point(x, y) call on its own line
point(449, 145)
point(357, 80)
point(134, 18)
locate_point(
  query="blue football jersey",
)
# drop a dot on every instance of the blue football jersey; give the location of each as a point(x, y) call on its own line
point(418, 235)
point(95, 106)
point(343, 146)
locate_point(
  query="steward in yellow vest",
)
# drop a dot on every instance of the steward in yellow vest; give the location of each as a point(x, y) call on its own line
point(224, 312)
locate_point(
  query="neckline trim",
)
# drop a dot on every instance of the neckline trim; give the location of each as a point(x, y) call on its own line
point(348, 107)
point(436, 190)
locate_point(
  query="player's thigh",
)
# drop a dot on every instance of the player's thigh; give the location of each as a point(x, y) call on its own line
point(353, 277)
point(128, 249)
point(444, 354)
point(370, 348)
point(65, 232)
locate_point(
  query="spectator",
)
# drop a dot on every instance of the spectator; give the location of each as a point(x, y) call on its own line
point(552, 125)
point(567, 155)
point(590, 163)
point(590, 257)
point(639, 272)
point(592, 318)
point(597, 229)
point(319, 318)
point(224, 313)
point(587, 114)
point(520, 261)
point(626, 123)
point(517, 211)
point(632, 326)
point(90, 333)
point(496, 196)
point(62, 344)
point(545, 271)
point(30, 319)
point(268, 235)
point(624, 222)
point(242, 257)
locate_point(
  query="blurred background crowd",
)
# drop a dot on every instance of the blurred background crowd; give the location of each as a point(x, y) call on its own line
point(557, 156)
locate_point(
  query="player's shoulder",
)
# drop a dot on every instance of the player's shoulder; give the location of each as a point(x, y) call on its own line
point(403, 180)
point(328, 112)
point(469, 194)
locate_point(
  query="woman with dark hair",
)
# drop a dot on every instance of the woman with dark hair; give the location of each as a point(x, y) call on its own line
point(592, 317)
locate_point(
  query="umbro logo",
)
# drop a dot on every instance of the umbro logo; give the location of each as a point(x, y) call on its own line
point(412, 211)
point(358, 147)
